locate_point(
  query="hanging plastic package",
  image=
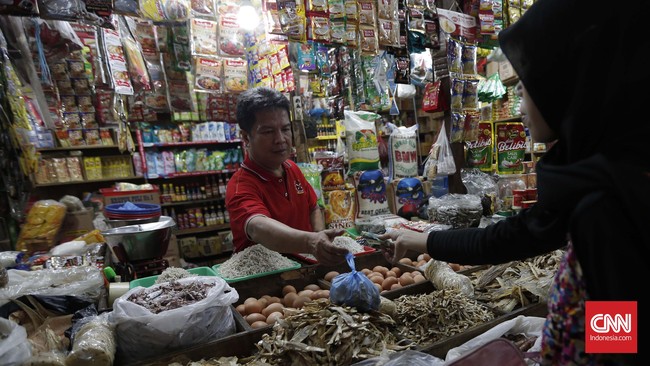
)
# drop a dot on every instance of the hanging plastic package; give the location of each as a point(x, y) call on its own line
point(403, 152)
point(371, 193)
point(312, 174)
point(354, 289)
point(440, 161)
point(361, 138)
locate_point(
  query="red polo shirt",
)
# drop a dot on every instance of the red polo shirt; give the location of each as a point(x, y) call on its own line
point(254, 191)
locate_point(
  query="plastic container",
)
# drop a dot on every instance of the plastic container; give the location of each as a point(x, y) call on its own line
point(295, 265)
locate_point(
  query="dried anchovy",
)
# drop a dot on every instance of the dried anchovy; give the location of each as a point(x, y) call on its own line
point(170, 295)
point(516, 284)
point(173, 273)
point(325, 334)
point(253, 260)
point(428, 318)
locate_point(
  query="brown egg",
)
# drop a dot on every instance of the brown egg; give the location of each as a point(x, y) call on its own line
point(253, 307)
point(378, 286)
point(420, 257)
point(305, 293)
point(420, 263)
point(266, 297)
point(250, 299)
point(288, 288)
point(252, 318)
point(415, 273)
point(380, 269)
point(406, 280)
point(264, 301)
point(313, 287)
point(455, 266)
point(272, 308)
point(407, 261)
point(273, 317)
point(391, 274)
point(259, 324)
point(329, 276)
point(315, 295)
point(241, 309)
point(419, 279)
point(274, 299)
point(289, 298)
point(426, 257)
point(324, 294)
point(366, 271)
point(396, 286)
point(388, 282)
point(398, 272)
point(300, 301)
point(377, 279)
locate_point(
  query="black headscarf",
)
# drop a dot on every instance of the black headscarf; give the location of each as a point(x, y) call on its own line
point(583, 64)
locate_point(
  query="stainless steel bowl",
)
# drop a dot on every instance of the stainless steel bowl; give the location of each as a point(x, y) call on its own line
point(120, 223)
point(140, 242)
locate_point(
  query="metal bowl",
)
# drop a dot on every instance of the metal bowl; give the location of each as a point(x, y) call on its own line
point(140, 242)
point(120, 223)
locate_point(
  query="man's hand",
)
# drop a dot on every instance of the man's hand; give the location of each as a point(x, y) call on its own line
point(321, 246)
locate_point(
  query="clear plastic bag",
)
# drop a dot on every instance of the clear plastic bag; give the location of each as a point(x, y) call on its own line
point(482, 185)
point(141, 334)
point(440, 161)
point(408, 357)
point(457, 210)
point(444, 278)
point(354, 289)
point(15, 349)
point(42, 225)
point(93, 343)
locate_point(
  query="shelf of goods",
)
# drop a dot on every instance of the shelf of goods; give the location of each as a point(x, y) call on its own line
point(203, 229)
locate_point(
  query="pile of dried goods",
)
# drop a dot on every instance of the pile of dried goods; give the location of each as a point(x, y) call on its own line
point(325, 334)
point(344, 242)
point(253, 260)
point(170, 295)
point(171, 274)
point(428, 318)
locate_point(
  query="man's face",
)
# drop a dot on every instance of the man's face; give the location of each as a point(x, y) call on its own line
point(270, 143)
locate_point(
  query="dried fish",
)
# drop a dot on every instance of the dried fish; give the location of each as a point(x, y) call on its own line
point(324, 334)
point(428, 318)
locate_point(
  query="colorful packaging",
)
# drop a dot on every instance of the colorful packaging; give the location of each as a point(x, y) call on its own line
point(510, 138)
point(371, 193)
point(409, 196)
point(361, 140)
point(479, 151)
point(403, 152)
point(340, 208)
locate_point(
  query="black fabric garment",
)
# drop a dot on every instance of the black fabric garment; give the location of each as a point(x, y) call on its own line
point(583, 64)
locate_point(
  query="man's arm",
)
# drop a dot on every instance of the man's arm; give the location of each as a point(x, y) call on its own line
point(284, 239)
point(317, 219)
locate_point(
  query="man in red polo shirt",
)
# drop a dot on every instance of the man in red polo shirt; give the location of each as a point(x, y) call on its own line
point(269, 200)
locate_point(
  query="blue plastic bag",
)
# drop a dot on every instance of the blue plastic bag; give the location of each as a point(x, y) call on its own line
point(354, 289)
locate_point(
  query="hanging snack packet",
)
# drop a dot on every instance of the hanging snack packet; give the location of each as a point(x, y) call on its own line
point(204, 37)
point(312, 174)
point(231, 37)
point(403, 152)
point(208, 75)
point(479, 151)
point(511, 147)
point(332, 171)
point(340, 208)
point(361, 140)
point(409, 196)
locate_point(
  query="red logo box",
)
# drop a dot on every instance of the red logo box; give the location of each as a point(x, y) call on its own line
point(611, 326)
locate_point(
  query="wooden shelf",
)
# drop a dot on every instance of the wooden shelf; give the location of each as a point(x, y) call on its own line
point(331, 137)
point(116, 179)
point(188, 143)
point(191, 174)
point(83, 147)
point(192, 202)
point(204, 229)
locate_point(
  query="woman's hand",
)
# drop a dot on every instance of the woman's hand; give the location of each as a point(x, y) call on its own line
point(322, 247)
point(402, 241)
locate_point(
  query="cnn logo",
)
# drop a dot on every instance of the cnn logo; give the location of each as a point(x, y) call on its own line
point(605, 323)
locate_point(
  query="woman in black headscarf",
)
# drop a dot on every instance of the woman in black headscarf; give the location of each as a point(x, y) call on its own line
point(583, 84)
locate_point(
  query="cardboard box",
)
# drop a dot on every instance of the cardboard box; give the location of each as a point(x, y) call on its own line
point(189, 247)
point(76, 224)
point(506, 72)
point(143, 196)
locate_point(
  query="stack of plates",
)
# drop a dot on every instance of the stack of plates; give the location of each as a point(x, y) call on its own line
point(132, 211)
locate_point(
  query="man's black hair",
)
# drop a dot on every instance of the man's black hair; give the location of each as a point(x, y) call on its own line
point(258, 99)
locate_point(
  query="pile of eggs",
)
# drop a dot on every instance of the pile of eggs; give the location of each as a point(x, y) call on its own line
point(268, 309)
point(386, 279)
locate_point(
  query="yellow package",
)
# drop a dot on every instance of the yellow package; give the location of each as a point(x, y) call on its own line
point(91, 237)
point(43, 222)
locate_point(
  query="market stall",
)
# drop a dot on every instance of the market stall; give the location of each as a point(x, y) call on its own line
point(120, 125)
